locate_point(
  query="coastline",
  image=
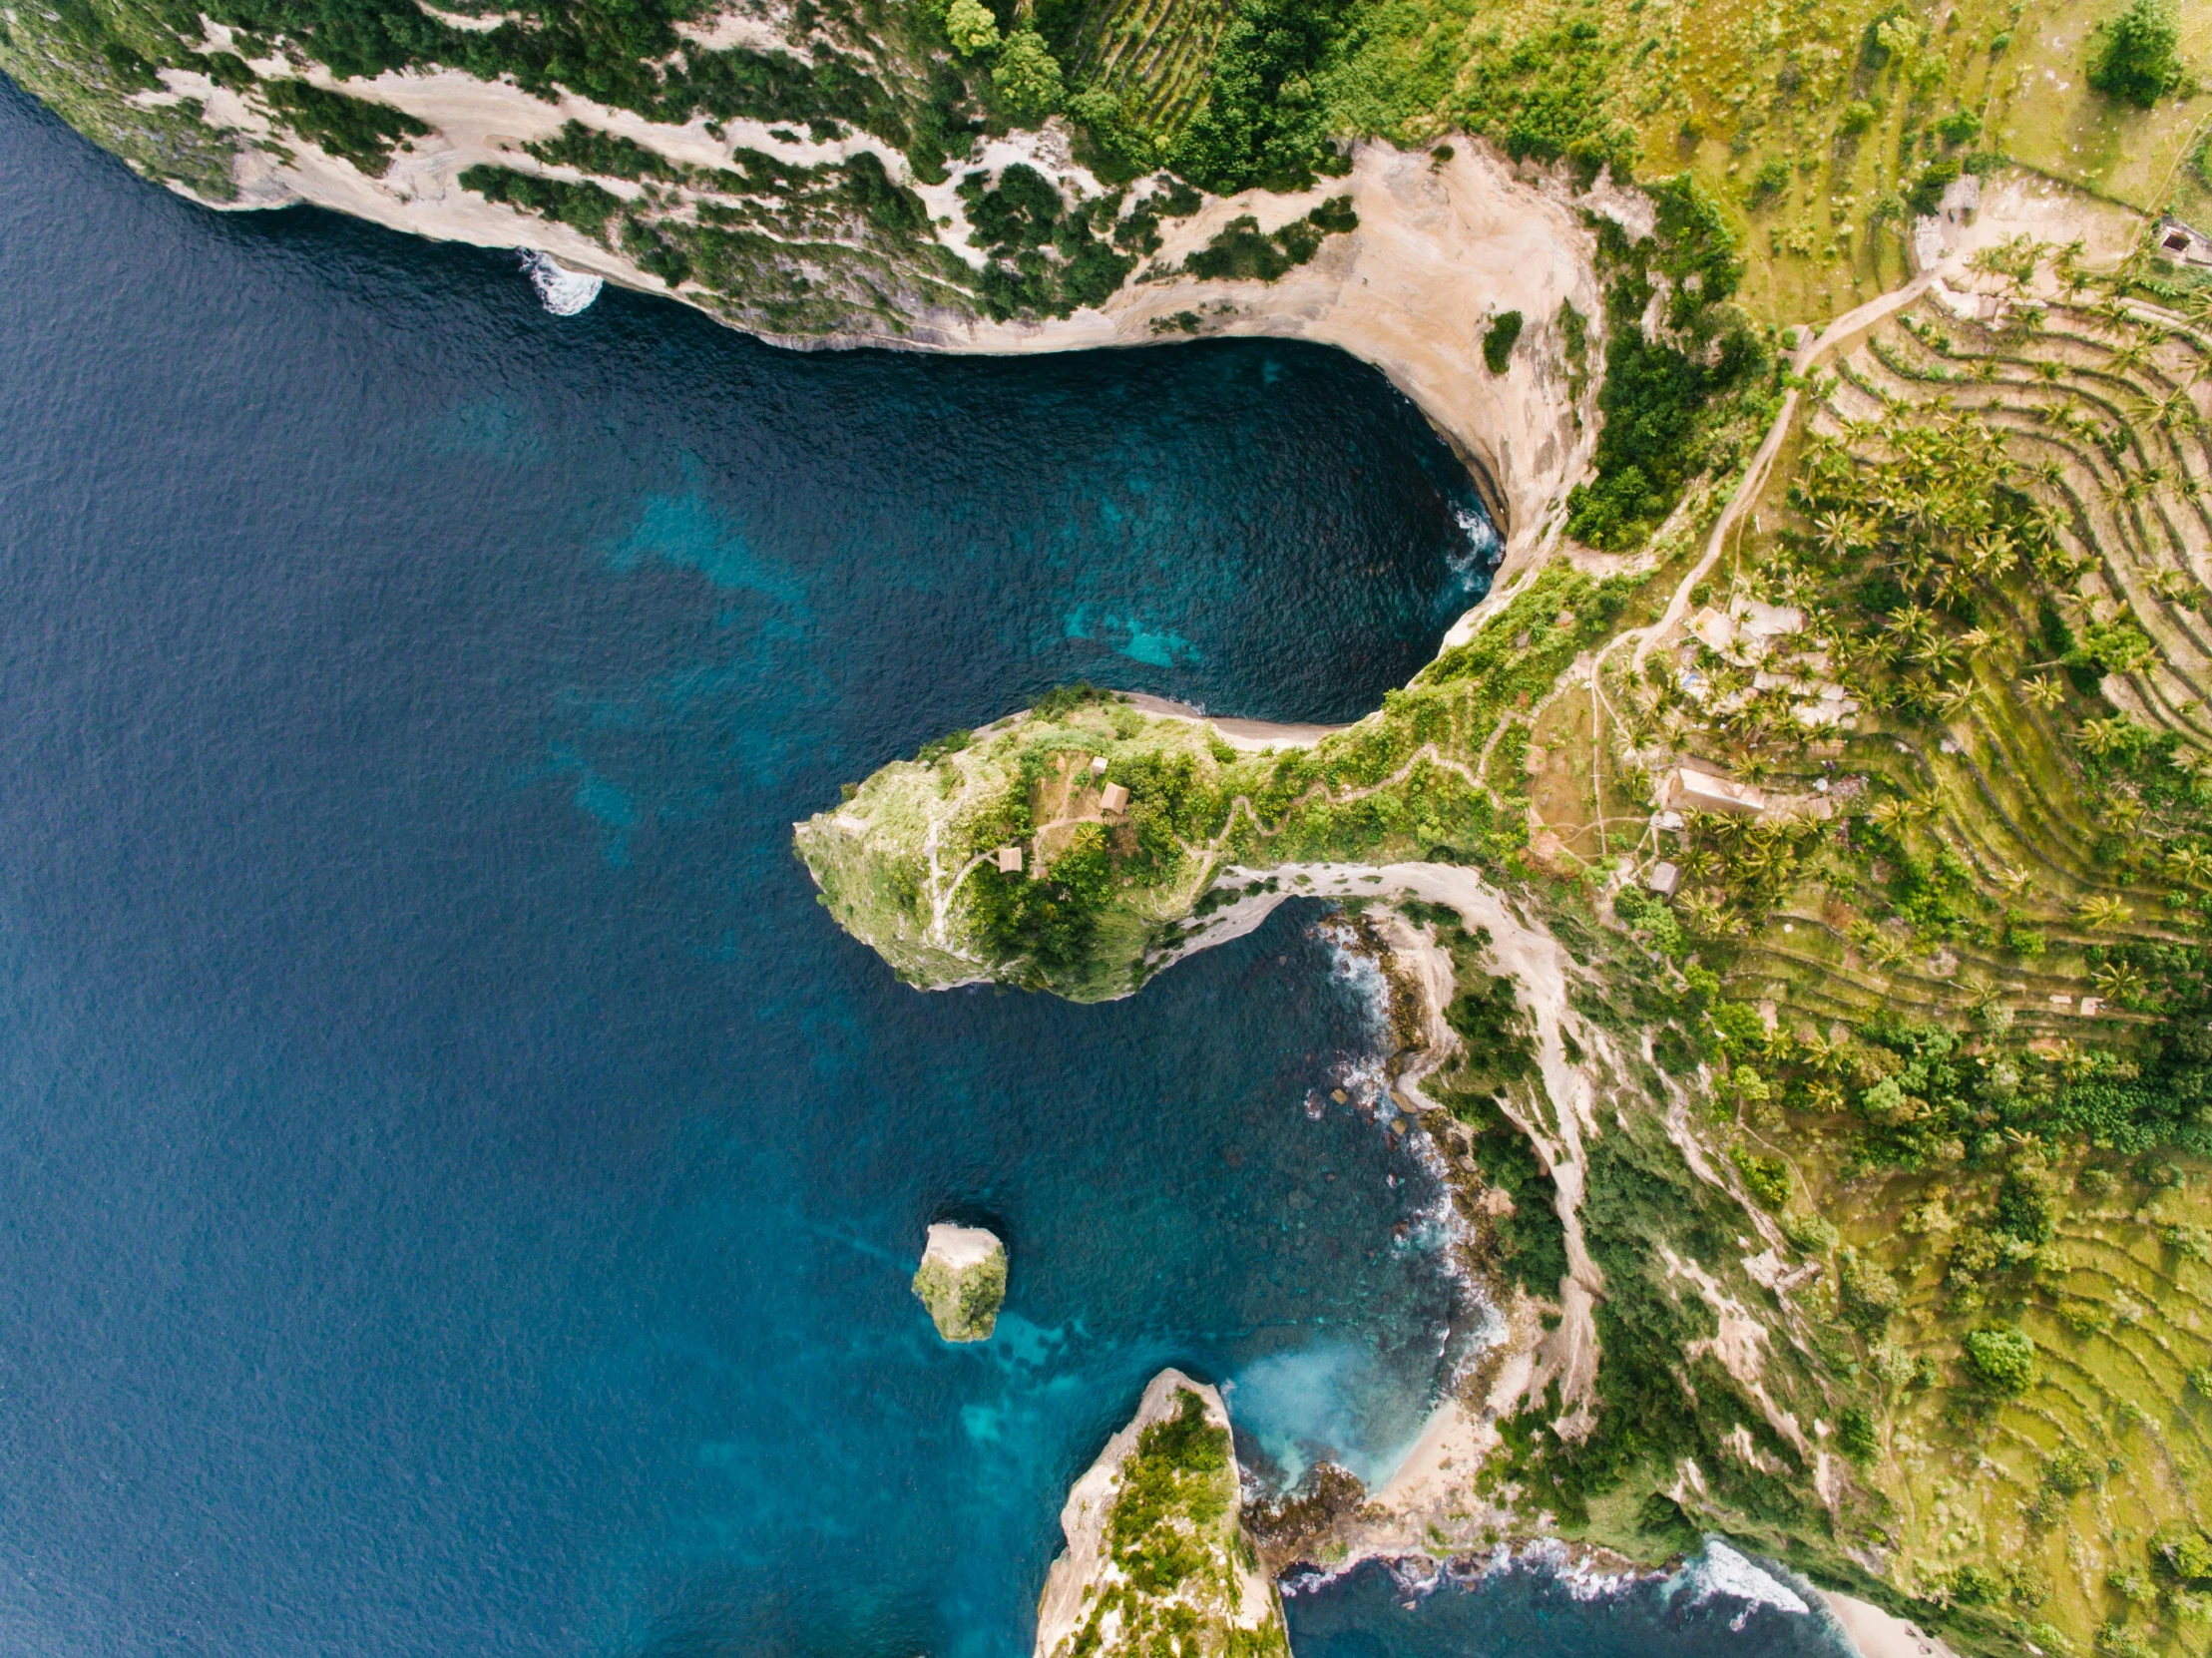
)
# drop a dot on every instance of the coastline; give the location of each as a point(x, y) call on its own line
point(1254, 736)
point(1446, 240)
point(1440, 247)
point(1878, 1634)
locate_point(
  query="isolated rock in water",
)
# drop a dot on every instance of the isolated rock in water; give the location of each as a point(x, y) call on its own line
point(962, 1280)
point(1155, 1543)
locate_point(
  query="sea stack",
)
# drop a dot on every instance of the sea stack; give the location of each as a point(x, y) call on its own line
point(962, 1281)
point(1155, 1543)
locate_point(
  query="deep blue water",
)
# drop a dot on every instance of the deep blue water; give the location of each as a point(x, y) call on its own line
point(457, 1190)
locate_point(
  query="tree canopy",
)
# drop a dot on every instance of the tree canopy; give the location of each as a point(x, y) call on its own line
point(2137, 58)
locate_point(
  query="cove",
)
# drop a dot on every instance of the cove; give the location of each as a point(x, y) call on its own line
point(457, 1191)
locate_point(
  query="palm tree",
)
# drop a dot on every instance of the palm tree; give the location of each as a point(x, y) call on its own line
point(2127, 358)
point(2103, 911)
point(2176, 408)
point(2189, 862)
point(1954, 700)
point(2015, 882)
point(1885, 951)
point(1890, 813)
point(1835, 534)
point(1942, 654)
point(2123, 981)
point(2047, 694)
point(2101, 736)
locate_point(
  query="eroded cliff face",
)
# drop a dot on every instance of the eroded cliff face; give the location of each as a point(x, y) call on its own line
point(1155, 1544)
point(795, 176)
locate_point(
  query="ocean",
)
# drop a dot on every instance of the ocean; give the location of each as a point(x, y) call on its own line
point(457, 1189)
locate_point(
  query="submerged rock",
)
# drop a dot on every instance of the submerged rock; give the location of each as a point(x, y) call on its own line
point(962, 1281)
point(1156, 1550)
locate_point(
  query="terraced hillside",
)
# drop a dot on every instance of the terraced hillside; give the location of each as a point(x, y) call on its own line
point(1983, 576)
point(1154, 52)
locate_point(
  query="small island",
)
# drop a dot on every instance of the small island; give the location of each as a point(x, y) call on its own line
point(962, 1281)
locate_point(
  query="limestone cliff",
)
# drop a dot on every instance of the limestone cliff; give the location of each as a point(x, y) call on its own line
point(1156, 1549)
point(962, 1281)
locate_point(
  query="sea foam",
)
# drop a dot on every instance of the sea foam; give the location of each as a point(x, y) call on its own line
point(563, 292)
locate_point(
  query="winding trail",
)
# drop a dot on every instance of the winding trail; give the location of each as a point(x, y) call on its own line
point(1859, 317)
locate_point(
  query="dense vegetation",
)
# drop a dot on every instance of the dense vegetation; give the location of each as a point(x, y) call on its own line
point(1660, 392)
point(361, 132)
point(1243, 250)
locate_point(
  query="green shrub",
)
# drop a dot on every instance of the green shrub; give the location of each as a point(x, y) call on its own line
point(1063, 700)
point(1999, 1359)
point(2188, 1556)
point(1243, 251)
point(2137, 59)
point(1117, 146)
point(586, 206)
point(884, 203)
point(1768, 1178)
point(1867, 1295)
point(1810, 1233)
point(2069, 1471)
point(971, 28)
point(1498, 340)
point(1854, 1433)
point(1959, 127)
point(1262, 123)
point(592, 150)
point(1772, 178)
point(1926, 194)
point(361, 132)
point(1027, 77)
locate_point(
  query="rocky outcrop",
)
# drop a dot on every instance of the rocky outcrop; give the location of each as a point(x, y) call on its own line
point(1155, 1543)
point(962, 1281)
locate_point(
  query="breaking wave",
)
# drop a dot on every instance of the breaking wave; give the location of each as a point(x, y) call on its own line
point(562, 291)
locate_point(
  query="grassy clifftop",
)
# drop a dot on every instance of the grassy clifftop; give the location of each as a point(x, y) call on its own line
point(1102, 897)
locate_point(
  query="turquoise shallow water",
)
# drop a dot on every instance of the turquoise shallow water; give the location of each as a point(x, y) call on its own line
point(457, 1190)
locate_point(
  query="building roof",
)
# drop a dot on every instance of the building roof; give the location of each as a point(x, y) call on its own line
point(1689, 790)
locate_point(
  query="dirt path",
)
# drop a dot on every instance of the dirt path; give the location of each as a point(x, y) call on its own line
point(1754, 476)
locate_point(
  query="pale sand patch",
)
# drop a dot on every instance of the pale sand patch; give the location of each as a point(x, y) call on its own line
point(1252, 735)
point(960, 1247)
point(766, 35)
point(1880, 1634)
point(2015, 204)
point(468, 22)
